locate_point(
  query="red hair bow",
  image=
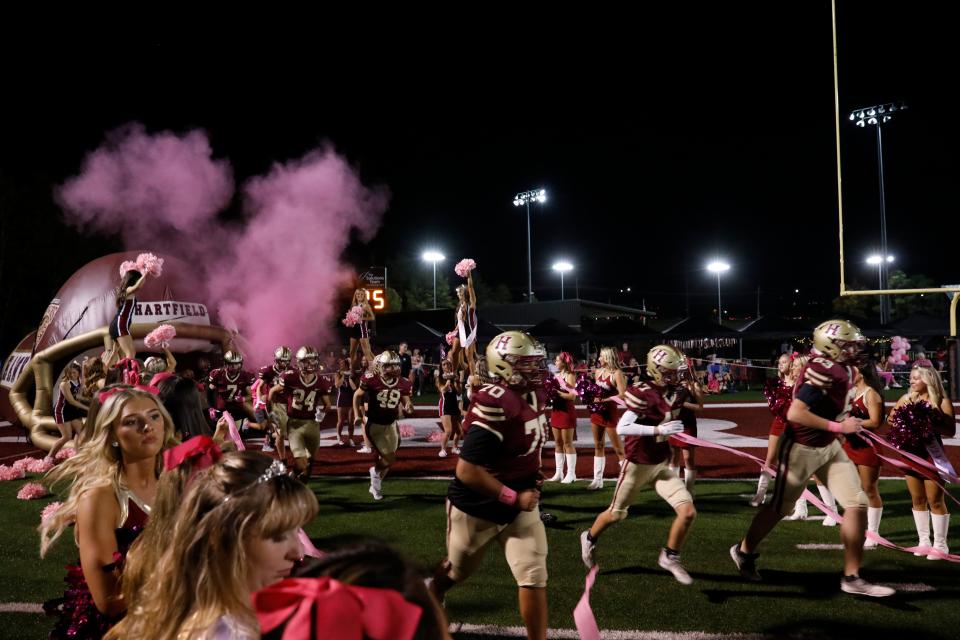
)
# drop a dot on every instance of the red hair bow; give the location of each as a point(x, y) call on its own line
point(325, 608)
point(202, 448)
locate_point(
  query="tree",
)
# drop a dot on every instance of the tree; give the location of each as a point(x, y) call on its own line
point(901, 306)
point(419, 293)
point(489, 295)
point(394, 300)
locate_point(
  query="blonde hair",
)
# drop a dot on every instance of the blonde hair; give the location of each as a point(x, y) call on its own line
point(202, 573)
point(97, 464)
point(935, 391)
point(362, 293)
point(610, 355)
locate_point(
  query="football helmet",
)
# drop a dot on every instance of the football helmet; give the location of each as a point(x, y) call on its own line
point(840, 340)
point(517, 359)
point(281, 358)
point(233, 361)
point(387, 365)
point(308, 360)
point(664, 364)
point(155, 365)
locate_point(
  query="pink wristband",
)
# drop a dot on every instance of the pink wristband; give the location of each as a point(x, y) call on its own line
point(507, 496)
point(834, 427)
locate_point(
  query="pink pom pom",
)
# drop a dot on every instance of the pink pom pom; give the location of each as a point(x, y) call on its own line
point(354, 316)
point(10, 473)
point(150, 264)
point(453, 335)
point(464, 267)
point(161, 337)
point(127, 265)
point(65, 454)
point(32, 491)
point(22, 464)
point(407, 431)
point(38, 465)
point(435, 436)
point(49, 511)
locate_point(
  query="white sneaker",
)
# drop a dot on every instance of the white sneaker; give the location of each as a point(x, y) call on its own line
point(829, 522)
point(267, 447)
point(455, 451)
point(442, 454)
point(375, 484)
point(672, 564)
point(586, 550)
point(860, 587)
point(364, 449)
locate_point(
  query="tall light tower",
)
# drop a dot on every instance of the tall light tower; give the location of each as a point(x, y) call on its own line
point(718, 267)
point(876, 116)
point(525, 198)
point(434, 257)
point(562, 267)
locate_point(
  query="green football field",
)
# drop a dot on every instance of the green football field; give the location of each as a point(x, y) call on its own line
point(800, 596)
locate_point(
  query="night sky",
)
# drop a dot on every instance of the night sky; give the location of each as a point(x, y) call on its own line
point(662, 138)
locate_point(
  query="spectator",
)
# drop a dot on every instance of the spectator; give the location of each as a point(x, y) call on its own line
point(624, 355)
point(416, 371)
point(922, 360)
point(406, 361)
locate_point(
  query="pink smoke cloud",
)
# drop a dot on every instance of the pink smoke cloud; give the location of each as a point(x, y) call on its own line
point(300, 219)
point(148, 187)
point(275, 275)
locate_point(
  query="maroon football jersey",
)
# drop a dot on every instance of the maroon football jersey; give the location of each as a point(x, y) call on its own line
point(269, 375)
point(303, 397)
point(230, 390)
point(384, 400)
point(518, 421)
point(653, 406)
point(828, 389)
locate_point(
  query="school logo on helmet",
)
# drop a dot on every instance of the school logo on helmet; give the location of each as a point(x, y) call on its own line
point(387, 365)
point(517, 359)
point(308, 360)
point(281, 358)
point(155, 365)
point(840, 340)
point(664, 363)
point(233, 361)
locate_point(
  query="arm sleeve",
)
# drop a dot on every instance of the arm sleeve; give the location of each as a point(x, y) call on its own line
point(628, 426)
point(809, 394)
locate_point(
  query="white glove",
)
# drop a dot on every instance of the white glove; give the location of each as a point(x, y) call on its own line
point(320, 415)
point(670, 428)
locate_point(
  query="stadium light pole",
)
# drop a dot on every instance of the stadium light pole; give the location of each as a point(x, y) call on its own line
point(525, 198)
point(562, 267)
point(876, 116)
point(434, 257)
point(718, 267)
point(880, 263)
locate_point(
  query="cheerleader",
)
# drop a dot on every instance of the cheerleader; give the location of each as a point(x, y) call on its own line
point(927, 495)
point(449, 388)
point(345, 390)
point(563, 420)
point(868, 406)
point(464, 344)
point(613, 383)
point(70, 410)
point(113, 481)
point(689, 402)
point(778, 392)
point(363, 331)
point(119, 337)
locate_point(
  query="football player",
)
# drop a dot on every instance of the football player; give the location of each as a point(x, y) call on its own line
point(228, 387)
point(819, 411)
point(308, 400)
point(385, 393)
point(496, 491)
point(272, 419)
point(646, 426)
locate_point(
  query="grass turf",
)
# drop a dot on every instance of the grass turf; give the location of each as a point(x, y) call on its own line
point(800, 594)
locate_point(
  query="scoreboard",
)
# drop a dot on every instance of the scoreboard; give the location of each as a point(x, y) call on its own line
point(374, 280)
